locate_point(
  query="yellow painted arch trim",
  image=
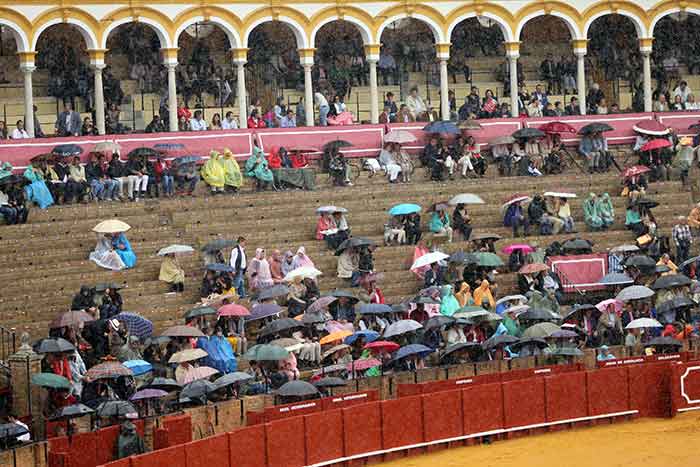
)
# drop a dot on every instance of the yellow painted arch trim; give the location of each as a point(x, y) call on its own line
point(503, 17)
point(231, 25)
point(161, 24)
point(428, 15)
point(566, 13)
point(359, 18)
point(296, 20)
point(89, 27)
point(19, 25)
point(665, 8)
point(634, 12)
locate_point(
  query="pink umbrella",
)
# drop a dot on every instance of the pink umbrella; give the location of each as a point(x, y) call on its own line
point(399, 136)
point(200, 372)
point(363, 364)
point(385, 346)
point(525, 249)
point(602, 306)
point(233, 309)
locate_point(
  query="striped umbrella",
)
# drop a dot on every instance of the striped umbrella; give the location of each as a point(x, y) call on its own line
point(108, 370)
point(136, 324)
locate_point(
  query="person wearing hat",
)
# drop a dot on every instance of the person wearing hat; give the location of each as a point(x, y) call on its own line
point(604, 354)
point(685, 154)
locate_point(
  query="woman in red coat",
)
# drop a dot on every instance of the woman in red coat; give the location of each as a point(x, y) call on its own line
point(254, 121)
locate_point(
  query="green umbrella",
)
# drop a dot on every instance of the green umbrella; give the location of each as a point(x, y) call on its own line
point(541, 330)
point(489, 260)
point(50, 380)
point(200, 311)
point(266, 352)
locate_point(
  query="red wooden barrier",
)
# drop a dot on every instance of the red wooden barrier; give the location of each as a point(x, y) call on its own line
point(362, 426)
point(650, 386)
point(279, 412)
point(285, 442)
point(247, 447)
point(255, 418)
point(608, 391)
point(348, 400)
point(678, 356)
point(523, 402)
point(171, 457)
point(179, 429)
point(482, 408)
point(209, 452)
point(324, 436)
point(126, 462)
point(442, 415)
point(402, 422)
point(566, 396)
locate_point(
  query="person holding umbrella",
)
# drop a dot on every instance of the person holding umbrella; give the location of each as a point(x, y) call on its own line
point(439, 223)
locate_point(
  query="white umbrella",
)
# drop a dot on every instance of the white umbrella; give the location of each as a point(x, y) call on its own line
point(515, 199)
point(401, 327)
point(429, 258)
point(399, 136)
point(517, 309)
point(466, 198)
point(111, 226)
point(512, 298)
point(634, 292)
point(187, 355)
point(560, 194)
point(175, 249)
point(330, 209)
point(643, 323)
point(625, 249)
point(303, 272)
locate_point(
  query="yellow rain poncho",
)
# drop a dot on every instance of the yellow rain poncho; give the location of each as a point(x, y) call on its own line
point(233, 176)
point(171, 271)
point(213, 171)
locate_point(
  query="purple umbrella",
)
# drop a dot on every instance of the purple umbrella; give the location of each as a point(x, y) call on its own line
point(144, 394)
point(563, 334)
point(263, 311)
point(321, 303)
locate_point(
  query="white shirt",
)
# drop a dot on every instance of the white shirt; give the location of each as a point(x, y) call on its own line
point(4, 199)
point(320, 100)
point(198, 125)
point(234, 257)
point(25, 437)
point(19, 134)
point(229, 124)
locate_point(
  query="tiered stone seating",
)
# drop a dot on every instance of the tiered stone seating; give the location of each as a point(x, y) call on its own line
point(45, 261)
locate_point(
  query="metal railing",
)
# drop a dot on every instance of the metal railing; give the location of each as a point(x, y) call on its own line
point(8, 343)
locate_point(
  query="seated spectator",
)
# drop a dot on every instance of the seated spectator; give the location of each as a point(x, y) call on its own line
point(573, 108)
point(186, 177)
point(101, 185)
point(77, 185)
point(683, 91)
point(156, 125)
point(88, 129)
point(389, 163)
point(254, 121)
point(489, 106)
point(12, 205)
point(137, 177)
point(229, 123)
point(117, 171)
point(462, 221)
point(162, 170)
point(105, 256)
point(661, 105)
point(394, 231)
point(677, 104)
point(416, 106)
point(289, 120)
point(534, 109)
point(213, 173)
point(439, 225)
point(20, 132)
point(690, 103)
point(233, 179)
point(183, 124)
point(405, 115)
point(256, 167)
point(198, 123)
point(3, 130)
point(413, 228)
point(515, 219)
point(215, 122)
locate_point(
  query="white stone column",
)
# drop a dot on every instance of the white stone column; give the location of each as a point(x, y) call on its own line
point(27, 70)
point(306, 57)
point(513, 54)
point(373, 91)
point(99, 99)
point(581, 81)
point(172, 97)
point(645, 46)
point(242, 95)
point(443, 54)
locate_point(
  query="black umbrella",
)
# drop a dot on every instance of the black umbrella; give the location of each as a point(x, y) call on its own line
point(278, 290)
point(314, 318)
point(399, 308)
point(72, 411)
point(665, 341)
point(528, 133)
point(342, 294)
point(115, 408)
point(219, 267)
point(466, 346)
point(495, 341)
point(536, 341)
point(237, 377)
point(353, 242)
point(425, 300)
point(199, 311)
point(568, 352)
point(198, 388)
point(218, 245)
point(647, 203)
point(577, 244)
point(671, 280)
point(485, 236)
point(164, 384)
point(597, 127)
point(297, 388)
point(67, 150)
point(13, 179)
point(279, 325)
point(330, 382)
point(640, 261)
point(102, 286)
point(57, 345)
point(143, 152)
point(535, 314)
point(438, 321)
point(337, 144)
point(690, 261)
point(578, 310)
point(462, 258)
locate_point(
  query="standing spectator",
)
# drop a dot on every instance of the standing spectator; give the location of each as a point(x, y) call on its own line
point(229, 122)
point(38, 132)
point(198, 123)
point(541, 96)
point(683, 91)
point(548, 73)
point(683, 239)
point(387, 67)
point(20, 132)
point(595, 95)
point(323, 108)
point(68, 123)
point(301, 112)
point(239, 265)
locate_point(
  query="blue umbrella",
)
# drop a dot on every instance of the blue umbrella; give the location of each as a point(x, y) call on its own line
point(616, 278)
point(442, 127)
point(136, 324)
point(404, 209)
point(218, 267)
point(186, 160)
point(139, 367)
point(412, 349)
point(169, 146)
point(369, 336)
point(375, 309)
point(263, 311)
point(67, 150)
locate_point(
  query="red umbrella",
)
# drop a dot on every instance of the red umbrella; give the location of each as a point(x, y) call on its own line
point(363, 364)
point(557, 127)
point(650, 127)
point(233, 309)
point(382, 346)
point(634, 171)
point(656, 144)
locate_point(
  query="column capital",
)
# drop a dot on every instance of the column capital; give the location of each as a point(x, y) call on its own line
point(372, 52)
point(443, 50)
point(97, 56)
point(306, 56)
point(580, 46)
point(170, 55)
point(26, 58)
point(239, 55)
point(27, 67)
point(512, 49)
point(646, 44)
point(171, 65)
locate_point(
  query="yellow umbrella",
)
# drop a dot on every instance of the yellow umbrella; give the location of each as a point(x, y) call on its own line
point(187, 355)
point(335, 336)
point(111, 226)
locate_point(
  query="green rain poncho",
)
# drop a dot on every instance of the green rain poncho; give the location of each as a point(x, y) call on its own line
point(605, 210)
point(449, 304)
point(213, 171)
point(590, 212)
point(256, 166)
point(5, 170)
point(233, 176)
point(511, 325)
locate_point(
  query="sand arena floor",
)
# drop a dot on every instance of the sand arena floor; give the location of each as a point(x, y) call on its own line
point(644, 443)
